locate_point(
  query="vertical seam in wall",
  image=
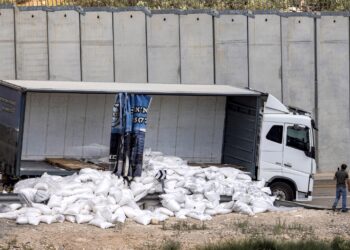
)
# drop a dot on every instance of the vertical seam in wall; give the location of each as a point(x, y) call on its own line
point(146, 42)
point(113, 46)
point(248, 67)
point(214, 48)
point(47, 46)
point(15, 40)
point(180, 68)
point(80, 49)
point(281, 50)
point(316, 84)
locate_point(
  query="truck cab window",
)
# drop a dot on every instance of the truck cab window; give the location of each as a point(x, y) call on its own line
point(298, 137)
point(275, 134)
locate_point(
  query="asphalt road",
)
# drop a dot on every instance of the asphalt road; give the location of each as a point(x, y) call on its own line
point(324, 194)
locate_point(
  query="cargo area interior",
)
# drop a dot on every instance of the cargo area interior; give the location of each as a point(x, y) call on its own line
point(78, 126)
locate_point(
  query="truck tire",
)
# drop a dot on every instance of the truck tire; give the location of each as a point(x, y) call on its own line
point(282, 190)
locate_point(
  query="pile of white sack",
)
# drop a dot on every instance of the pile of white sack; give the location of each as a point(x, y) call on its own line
point(102, 199)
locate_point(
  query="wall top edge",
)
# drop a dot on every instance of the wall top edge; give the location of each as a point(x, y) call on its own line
point(149, 12)
point(335, 13)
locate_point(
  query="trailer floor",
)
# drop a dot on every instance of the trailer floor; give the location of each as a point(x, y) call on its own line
point(291, 225)
point(37, 168)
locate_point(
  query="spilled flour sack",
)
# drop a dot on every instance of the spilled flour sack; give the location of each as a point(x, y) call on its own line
point(102, 199)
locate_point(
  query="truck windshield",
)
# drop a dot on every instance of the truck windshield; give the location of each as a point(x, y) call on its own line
point(298, 137)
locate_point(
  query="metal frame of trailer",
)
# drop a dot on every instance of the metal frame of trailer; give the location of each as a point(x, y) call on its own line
point(13, 104)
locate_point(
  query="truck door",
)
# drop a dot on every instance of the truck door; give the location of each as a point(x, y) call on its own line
point(297, 165)
point(271, 157)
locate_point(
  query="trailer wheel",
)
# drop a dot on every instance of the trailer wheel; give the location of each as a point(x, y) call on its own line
point(282, 190)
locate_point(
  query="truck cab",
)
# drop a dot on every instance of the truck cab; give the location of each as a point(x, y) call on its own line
point(287, 151)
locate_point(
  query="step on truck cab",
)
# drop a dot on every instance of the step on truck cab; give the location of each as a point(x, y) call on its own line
point(253, 130)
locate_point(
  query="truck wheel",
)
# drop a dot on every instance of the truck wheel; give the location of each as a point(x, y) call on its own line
point(282, 190)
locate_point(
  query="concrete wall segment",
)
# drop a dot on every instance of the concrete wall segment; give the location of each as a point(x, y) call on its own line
point(298, 60)
point(64, 45)
point(130, 46)
point(333, 91)
point(31, 45)
point(163, 48)
point(97, 46)
point(196, 42)
point(231, 55)
point(265, 66)
point(7, 44)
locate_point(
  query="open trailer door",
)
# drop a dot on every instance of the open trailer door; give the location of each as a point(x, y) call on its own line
point(241, 132)
point(11, 126)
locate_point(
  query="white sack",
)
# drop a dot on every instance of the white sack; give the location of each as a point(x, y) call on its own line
point(70, 218)
point(243, 208)
point(48, 219)
point(143, 219)
point(159, 216)
point(22, 220)
point(99, 222)
point(172, 205)
point(181, 214)
point(80, 219)
point(28, 193)
point(15, 206)
point(9, 215)
point(43, 208)
point(165, 211)
point(118, 216)
point(130, 212)
point(41, 186)
point(34, 220)
point(127, 197)
point(41, 196)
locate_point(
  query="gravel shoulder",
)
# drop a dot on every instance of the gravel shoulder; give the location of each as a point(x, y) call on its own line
point(291, 225)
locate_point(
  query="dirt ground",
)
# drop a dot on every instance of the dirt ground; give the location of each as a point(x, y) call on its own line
point(291, 225)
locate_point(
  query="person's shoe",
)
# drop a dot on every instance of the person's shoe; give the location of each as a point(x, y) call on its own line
point(333, 208)
point(345, 210)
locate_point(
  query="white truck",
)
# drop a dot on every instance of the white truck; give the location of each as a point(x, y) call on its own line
point(45, 119)
point(287, 151)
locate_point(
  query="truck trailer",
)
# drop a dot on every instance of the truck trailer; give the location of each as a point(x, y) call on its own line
point(272, 142)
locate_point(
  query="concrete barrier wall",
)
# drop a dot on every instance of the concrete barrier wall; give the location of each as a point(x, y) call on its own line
point(130, 46)
point(31, 45)
point(268, 52)
point(265, 64)
point(298, 60)
point(231, 50)
point(97, 46)
point(333, 91)
point(197, 52)
point(64, 45)
point(7, 44)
